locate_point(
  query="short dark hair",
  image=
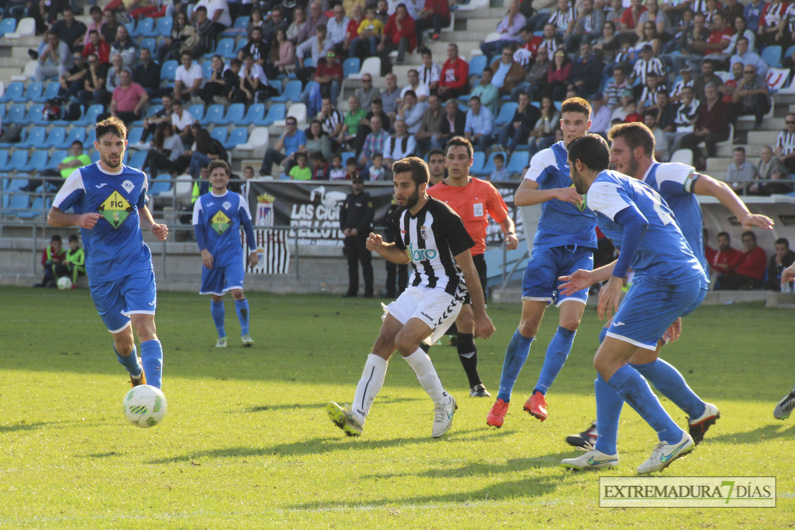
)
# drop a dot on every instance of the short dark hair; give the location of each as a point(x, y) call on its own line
point(499, 156)
point(73, 237)
point(95, 9)
point(410, 93)
point(782, 241)
point(576, 105)
point(591, 150)
point(474, 98)
point(186, 52)
point(488, 69)
point(748, 233)
point(724, 234)
point(200, 8)
point(300, 154)
point(420, 173)
point(426, 51)
point(56, 238)
point(112, 125)
point(219, 163)
point(635, 134)
point(739, 148)
point(78, 142)
point(458, 140)
point(438, 152)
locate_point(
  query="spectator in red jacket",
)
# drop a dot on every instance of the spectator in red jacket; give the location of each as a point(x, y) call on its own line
point(454, 80)
point(53, 255)
point(720, 260)
point(434, 14)
point(399, 34)
point(748, 268)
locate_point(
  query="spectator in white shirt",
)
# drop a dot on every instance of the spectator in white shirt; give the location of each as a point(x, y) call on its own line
point(399, 145)
point(189, 79)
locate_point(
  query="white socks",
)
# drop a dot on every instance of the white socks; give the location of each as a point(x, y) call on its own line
point(369, 385)
point(426, 375)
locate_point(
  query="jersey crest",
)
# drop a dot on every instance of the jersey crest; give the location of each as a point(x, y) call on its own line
point(115, 209)
point(423, 232)
point(128, 186)
point(220, 222)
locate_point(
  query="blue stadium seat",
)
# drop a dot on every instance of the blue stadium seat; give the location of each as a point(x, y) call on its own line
point(37, 162)
point(488, 167)
point(77, 133)
point(56, 137)
point(157, 186)
point(351, 65)
point(18, 160)
point(56, 157)
point(476, 65)
point(150, 44)
point(277, 84)
point(168, 71)
point(32, 92)
point(17, 203)
point(207, 69)
point(234, 114)
point(215, 113)
point(16, 113)
point(143, 28)
point(772, 56)
point(309, 62)
point(91, 137)
point(292, 92)
point(240, 24)
point(197, 111)
point(346, 155)
point(36, 209)
point(163, 27)
point(35, 115)
point(50, 92)
point(238, 136)
point(8, 25)
point(13, 91)
point(219, 133)
point(134, 135)
point(225, 48)
point(95, 157)
point(255, 114)
point(478, 159)
point(3, 159)
point(519, 162)
point(35, 138)
point(506, 113)
point(90, 117)
point(277, 111)
point(137, 159)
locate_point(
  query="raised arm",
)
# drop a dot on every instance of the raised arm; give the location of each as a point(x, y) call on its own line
point(529, 194)
point(706, 185)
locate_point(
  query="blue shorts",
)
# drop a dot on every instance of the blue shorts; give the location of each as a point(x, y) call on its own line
point(649, 308)
point(116, 300)
point(220, 280)
point(540, 282)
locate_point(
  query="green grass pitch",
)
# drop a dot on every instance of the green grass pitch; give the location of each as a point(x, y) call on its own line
point(247, 443)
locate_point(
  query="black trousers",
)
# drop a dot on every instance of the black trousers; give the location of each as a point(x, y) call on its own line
point(356, 252)
point(396, 274)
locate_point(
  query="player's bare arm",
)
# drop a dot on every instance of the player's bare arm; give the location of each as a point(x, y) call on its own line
point(582, 279)
point(483, 325)
point(509, 230)
point(207, 258)
point(160, 231)
point(529, 194)
point(788, 274)
point(706, 185)
point(59, 219)
point(388, 251)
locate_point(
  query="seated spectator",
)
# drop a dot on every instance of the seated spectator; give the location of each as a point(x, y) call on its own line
point(183, 38)
point(687, 81)
point(188, 80)
point(454, 79)
point(785, 144)
point(76, 158)
point(336, 171)
point(430, 72)
point(72, 81)
point(605, 46)
point(499, 174)
point(453, 124)
point(740, 172)
point(586, 72)
point(720, 262)
point(430, 124)
point(718, 39)
point(563, 19)
point(95, 12)
point(301, 170)
point(587, 26)
point(367, 92)
point(624, 56)
point(352, 167)
point(771, 169)
point(741, 29)
point(558, 77)
point(660, 141)
point(600, 115)
point(55, 58)
point(206, 32)
point(328, 76)
point(390, 96)
point(435, 15)
point(221, 80)
point(648, 95)
point(375, 141)
point(627, 107)
point(748, 270)
point(350, 124)
point(70, 30)
point(745, 56)
point(647, 64)
point(376, 109)
point(126, 47)
point(296, 27)
point(292, 141)
point(314, 19)
point(752, 13)
point(94, 82)
point(96, 46)
point(536, 78)
point(282, 55)
point(52, 256)
point(508, 28)
point(217, 12)
point(375, 171)
point(631, 16)
point(182, 121)
point(207, 150)
point(666, 113)
point(147, 73)
point(152, 122)
point(110, 27)
point(479, 128)
point(543, 133)
point(399, 145)
point(488, 93)
point(318, 47)
point(338, 28)
point(352, 31)
point(707, 76)
point(779, 261)
point(658, 18)
point(752, 96)
point(129, 100)
point(411, 111)
point(420, 90)
point(75, 260)
point(331, 119)
point(368, 36)
point(769, 21)
point(507, 72)
point(516, 131)
point(256, 47)
point(271, 25)
point(254, 85)
point(730, 85)
point(684, 119)
point(711, 127)
point(317, 140)
point(319, 166)
point(165, 149)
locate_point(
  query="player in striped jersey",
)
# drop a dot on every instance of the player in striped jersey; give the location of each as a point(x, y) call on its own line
point(217, 218)
point(432, 237)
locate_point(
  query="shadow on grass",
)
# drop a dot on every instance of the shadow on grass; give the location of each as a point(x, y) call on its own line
point(316, 406)
point(23, 426)
point(758, 435)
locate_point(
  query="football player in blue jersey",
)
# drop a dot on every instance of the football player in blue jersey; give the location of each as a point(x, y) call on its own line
point(109, 204)
point(564, 242)
point(217, 218)
point(669, 283)
point(633, 155)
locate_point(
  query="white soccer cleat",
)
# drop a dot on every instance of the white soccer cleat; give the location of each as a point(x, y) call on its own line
point(247, 341)
point(698, 427)
point(221, 342)
point(591, 460)
point(443, 417)
point(785, 406)
point(664, 453)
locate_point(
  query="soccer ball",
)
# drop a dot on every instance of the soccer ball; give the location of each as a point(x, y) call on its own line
point(64, 282)
point(144, 406)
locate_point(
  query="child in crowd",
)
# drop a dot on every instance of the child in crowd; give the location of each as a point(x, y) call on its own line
point(300, 171)
point(499, 173)
point(351, 169)
point(75, 260)
point(52, 256)
point(336, 171)
point(319, 166)
point(376, 171)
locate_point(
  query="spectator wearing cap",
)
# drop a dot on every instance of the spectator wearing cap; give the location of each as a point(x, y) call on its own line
point(479, 128)
point(507, 72)
point(600, 114)
point(356, 223)
point(292, 141)
point(586, 73)
point(752, 96)
point(687, 81)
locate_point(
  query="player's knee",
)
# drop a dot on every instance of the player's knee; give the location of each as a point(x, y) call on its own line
point(146, 330)
point(238, 295)
point(570, 323)
point(465, 323)
point(124, 345)
point(528, 328)
point(405, 345)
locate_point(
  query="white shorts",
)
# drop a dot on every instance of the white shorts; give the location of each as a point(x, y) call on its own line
point(435, 307)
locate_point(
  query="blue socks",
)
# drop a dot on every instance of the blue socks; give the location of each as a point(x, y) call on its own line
point(130, 362)
point(557, 353)
point(672, 385)
point(515, 357)
point(608, 412)
point(152, 359)
point(218, 313)
point(635, 390)
point(241, 307)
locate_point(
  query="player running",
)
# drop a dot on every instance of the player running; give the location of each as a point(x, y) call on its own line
point(679, 184)
point(669, 283)
point(109, 203)
point(474, 200)
point(217, 217)
point(564, 242)
point(787, 404)
point(433, 239)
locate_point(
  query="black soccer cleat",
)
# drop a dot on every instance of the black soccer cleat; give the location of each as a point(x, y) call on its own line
point(586, 440)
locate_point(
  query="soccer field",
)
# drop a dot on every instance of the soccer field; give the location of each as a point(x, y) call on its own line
point(246, 442)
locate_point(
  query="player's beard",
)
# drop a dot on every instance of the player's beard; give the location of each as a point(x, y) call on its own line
point(633, 168)
point(412, 200)
point(107, 162)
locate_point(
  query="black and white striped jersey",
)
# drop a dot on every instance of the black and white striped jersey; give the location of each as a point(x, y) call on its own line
point(433, 238)
point(786, 141)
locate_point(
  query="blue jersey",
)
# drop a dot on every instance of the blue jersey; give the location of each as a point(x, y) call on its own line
point(217, 220)
point(561, 223)
point(114, 247)
point(674, 182)
point(663, 255)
